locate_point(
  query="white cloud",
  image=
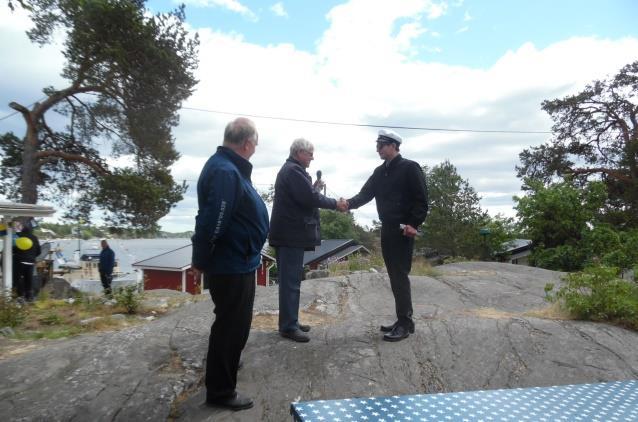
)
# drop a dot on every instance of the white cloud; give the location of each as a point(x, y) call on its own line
point(467, 17)
point(279, 10)
point(363, 71)
point(232, 5)
point(436, 10)
point(463, 29)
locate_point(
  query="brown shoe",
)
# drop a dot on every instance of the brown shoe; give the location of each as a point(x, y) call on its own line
point(296, 335)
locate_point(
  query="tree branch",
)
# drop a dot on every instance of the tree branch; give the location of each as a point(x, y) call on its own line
point(44, 156)
point(610, 172)
point(57, 96)
point(96, 121)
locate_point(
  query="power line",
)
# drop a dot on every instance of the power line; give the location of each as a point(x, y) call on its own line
point(9, 115)
point(323, 122)
point(16, 112)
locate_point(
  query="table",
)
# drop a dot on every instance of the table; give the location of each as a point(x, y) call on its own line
point(610, 401)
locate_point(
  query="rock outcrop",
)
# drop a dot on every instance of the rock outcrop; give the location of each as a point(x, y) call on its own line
point(478, 326)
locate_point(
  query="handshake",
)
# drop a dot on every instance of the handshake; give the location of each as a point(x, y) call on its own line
point(342, 205)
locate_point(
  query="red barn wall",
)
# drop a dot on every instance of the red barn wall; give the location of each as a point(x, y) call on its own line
point(158, 279)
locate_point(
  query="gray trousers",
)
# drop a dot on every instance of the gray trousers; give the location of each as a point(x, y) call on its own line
point(290, 273)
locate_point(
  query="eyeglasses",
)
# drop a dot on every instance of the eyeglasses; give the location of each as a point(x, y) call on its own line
point(382, 144)
point(310, 154)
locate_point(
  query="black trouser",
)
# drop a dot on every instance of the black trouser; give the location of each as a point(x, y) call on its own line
point(233, 296)
point(23, 279)
point(106, 280)
point(397, 254)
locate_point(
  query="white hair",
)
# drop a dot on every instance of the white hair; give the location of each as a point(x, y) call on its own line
point(301, 144)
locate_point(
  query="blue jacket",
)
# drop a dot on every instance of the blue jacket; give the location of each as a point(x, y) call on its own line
point(107, 261)
point(232, 221)
point(295, 215)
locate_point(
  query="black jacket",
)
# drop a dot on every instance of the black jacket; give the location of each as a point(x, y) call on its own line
point(30, 254)
point(295, 214)
point(400, 191)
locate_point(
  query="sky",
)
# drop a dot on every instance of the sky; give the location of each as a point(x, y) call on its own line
point(451, 65)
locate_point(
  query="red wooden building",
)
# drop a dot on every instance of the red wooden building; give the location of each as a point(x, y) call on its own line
point(172, 270)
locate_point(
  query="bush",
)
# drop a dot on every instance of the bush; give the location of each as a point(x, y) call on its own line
point(598, 294)
point(12, 313)
point(560, 258)
point(129, 298)
point(355, 262)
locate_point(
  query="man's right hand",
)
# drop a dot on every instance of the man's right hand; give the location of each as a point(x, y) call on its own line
point(342, 205)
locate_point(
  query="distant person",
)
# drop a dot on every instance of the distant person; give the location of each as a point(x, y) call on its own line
point(398, 185)
point(105, 267)
point(25, 251)
point(230, 230)
point(295, 228)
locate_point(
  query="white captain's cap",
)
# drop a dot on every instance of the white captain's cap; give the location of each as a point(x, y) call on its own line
point(388, 136)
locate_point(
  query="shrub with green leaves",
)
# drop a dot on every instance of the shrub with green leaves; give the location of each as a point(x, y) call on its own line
point(598, 294)
point(12, 313)
point(129, 298)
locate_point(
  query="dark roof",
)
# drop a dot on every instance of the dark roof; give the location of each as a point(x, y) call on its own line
point(330, 248)
point(517, 245)
point(177, 259)
point(347, 251)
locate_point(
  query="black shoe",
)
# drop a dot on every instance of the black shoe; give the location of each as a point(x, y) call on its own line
point(304, 328)
point(388, 328)
point(296, 335)
point(235, 402)
point(397, 334)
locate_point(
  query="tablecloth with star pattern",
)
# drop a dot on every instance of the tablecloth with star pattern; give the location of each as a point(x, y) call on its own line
point(605, 402)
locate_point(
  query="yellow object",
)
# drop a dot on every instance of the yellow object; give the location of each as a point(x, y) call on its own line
point(24, 243)
point(3, 229)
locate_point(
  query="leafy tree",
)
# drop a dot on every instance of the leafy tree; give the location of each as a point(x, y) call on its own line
point(337, 225)
point(556, 218)
point(128, 74)
point(455, 217)
point(557, 214)
point(595, 138)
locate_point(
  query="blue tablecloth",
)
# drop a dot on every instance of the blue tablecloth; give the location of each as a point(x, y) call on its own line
point(605, 402)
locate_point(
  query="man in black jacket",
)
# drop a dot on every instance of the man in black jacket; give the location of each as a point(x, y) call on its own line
point(294, 228)
point(398, 185)
point(24, 258)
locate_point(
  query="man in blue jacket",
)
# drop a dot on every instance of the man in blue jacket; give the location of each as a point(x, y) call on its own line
point(105, 267)
point(294, 228)
point(230, 230)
